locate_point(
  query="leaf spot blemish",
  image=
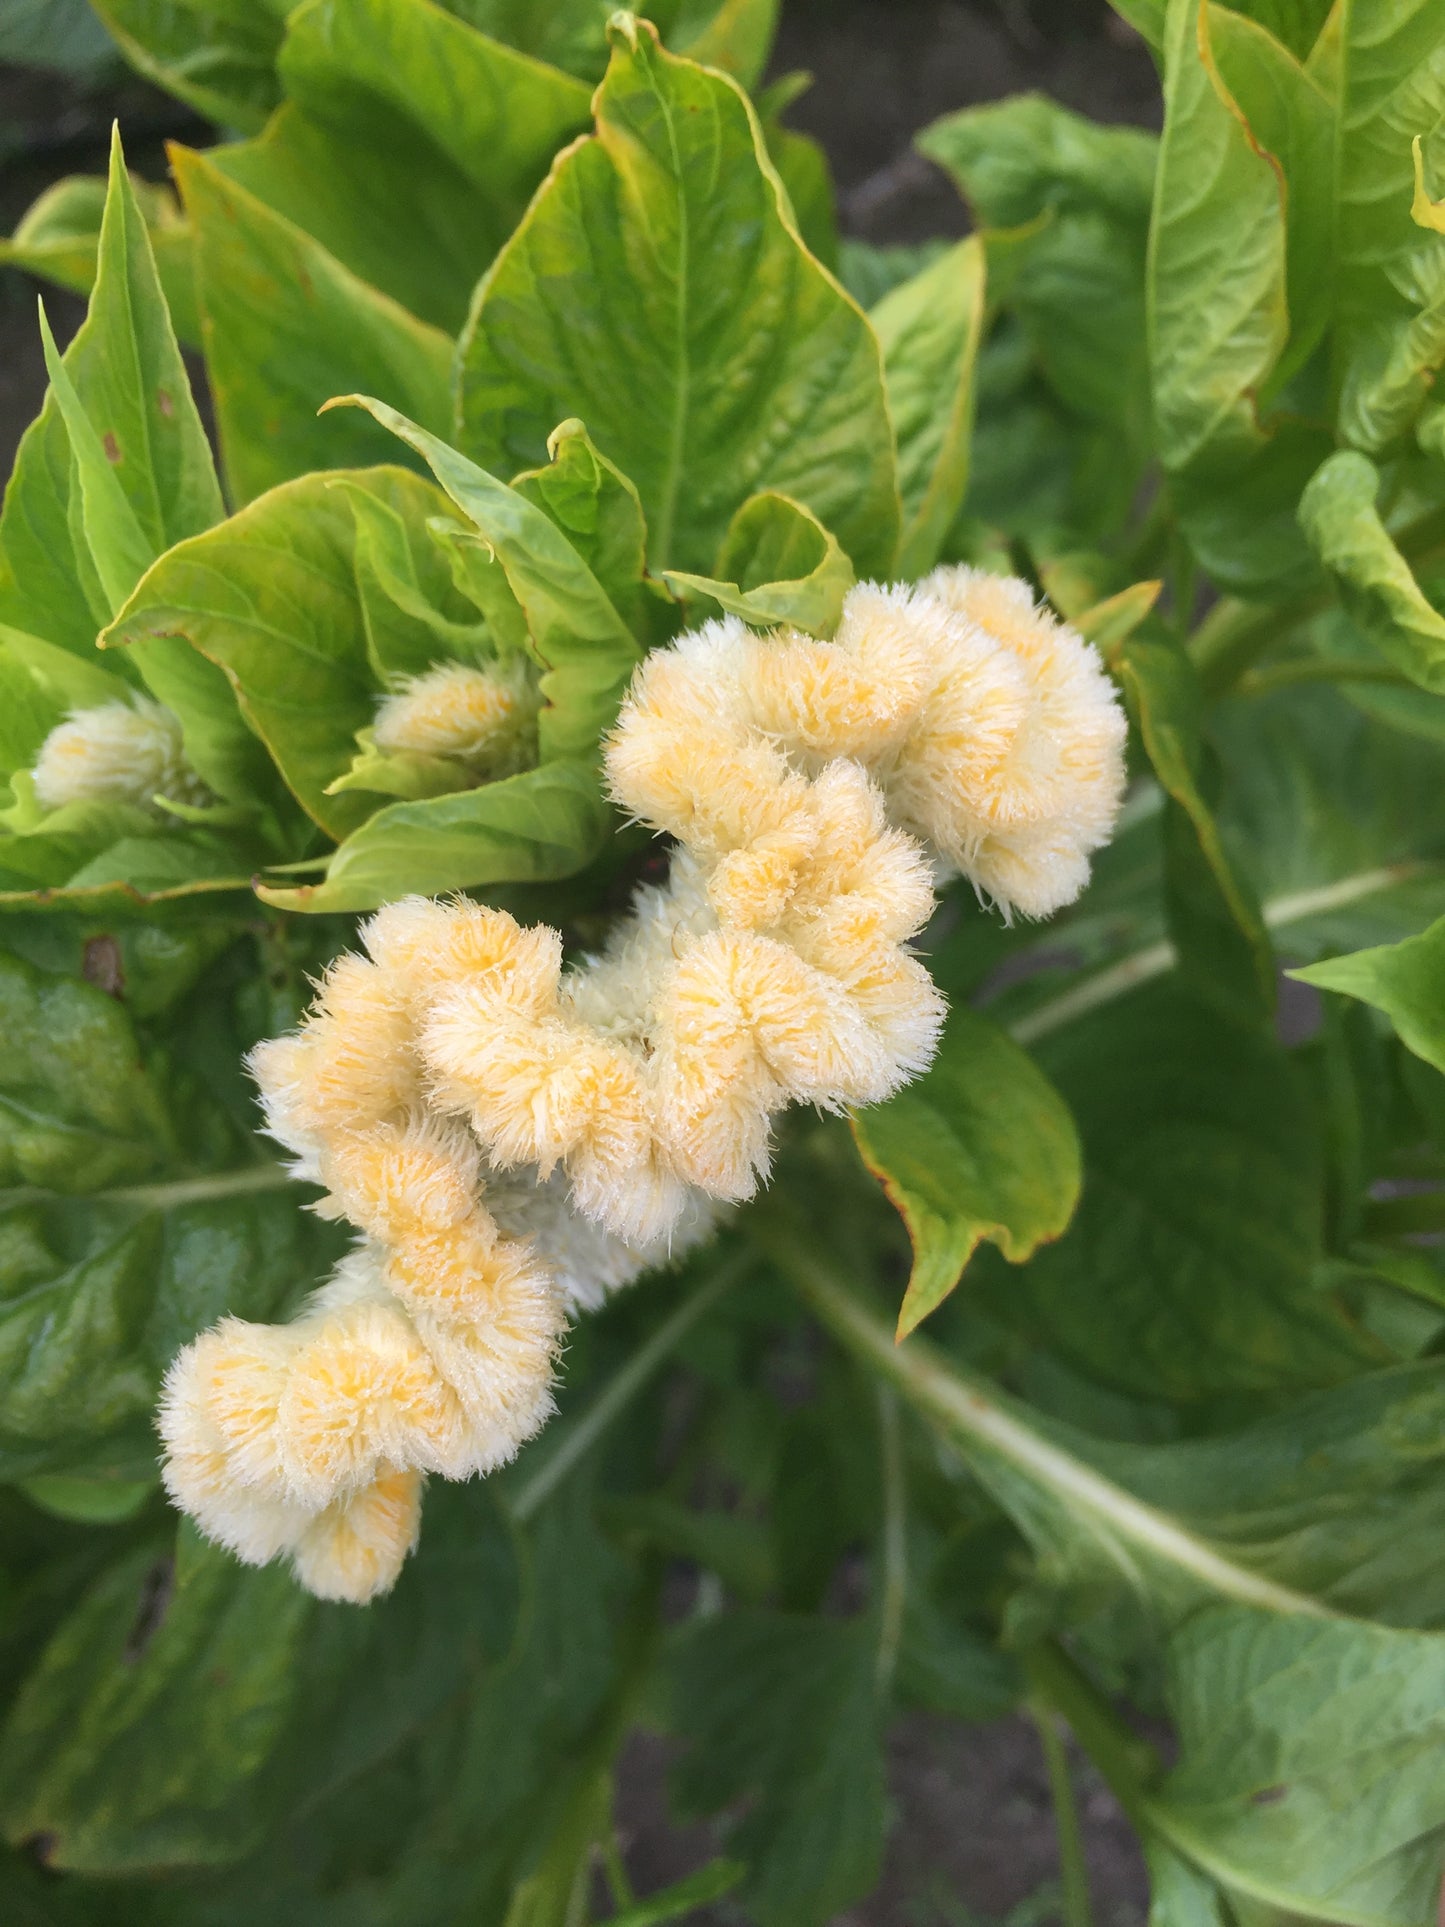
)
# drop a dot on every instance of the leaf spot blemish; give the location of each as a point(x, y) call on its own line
point(164, 402)
point(41, 1847)
point(103, 966)
point(155, 1597)
point(111, 446)
point(1268, 1796)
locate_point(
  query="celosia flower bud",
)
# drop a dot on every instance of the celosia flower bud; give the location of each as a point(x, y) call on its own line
point(482, 718)
point(124, 752)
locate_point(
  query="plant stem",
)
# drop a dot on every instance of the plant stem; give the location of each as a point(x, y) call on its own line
point(612, 1865)
point(165, 1197)
point(1305, 669)
point(1157, 959)
point(893, 1541)
point(1078, 1911)
point(575, 1440)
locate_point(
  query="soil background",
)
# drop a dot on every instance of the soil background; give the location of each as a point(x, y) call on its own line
point(973, 1839)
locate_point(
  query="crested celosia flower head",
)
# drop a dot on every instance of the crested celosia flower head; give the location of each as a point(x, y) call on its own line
point(482, 717)
point(123, 752)
point(512, 1137)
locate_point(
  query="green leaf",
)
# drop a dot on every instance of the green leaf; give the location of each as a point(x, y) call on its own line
point(136, 1212)
point(270, 598)
point(577, 635)
point(1405, 980)
point(1306, 1777)
point(218, 56)
point(930, 329)
point(1188, 1270)
point(185, 1708)
point(1289, 116)
point(802, 167)
point(58, 238)
point(598, 510)
point(683, 1897)
point(777, 565)
point(1237, 299)
point(286, 327)
point(81, 516)
point(735, 35)
point(413, 614)
point(542, 824)
point(784, 1708)
point(1379, 591)
point(1214, 914)
point(1217, 306)
point(1390, 274)
point(634, 292)
point(409, 145)
point(979, 1147)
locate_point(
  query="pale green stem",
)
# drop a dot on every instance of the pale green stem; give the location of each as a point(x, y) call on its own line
point(1306, 669)
point(1157, 959)
point(1078, 1911)
point(575, 1441)
point(165, 1197)
point(893, 1541)
point(983, 1422)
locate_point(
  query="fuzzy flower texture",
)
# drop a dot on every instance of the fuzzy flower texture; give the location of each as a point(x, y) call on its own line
point(512, 1138)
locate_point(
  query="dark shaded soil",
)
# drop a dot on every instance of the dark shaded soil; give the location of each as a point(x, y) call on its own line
point(973, 1837)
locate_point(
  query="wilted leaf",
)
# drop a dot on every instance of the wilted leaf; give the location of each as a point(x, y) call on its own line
point(645, 340)
point(979, 1147)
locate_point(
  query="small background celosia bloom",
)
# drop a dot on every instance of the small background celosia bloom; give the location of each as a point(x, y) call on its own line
point(482, 717)
point(129, 752)
point(512, 1138)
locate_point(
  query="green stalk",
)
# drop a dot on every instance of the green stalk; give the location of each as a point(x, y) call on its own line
point(1078, 1910)
point(893, 1541)
point(1305, 669)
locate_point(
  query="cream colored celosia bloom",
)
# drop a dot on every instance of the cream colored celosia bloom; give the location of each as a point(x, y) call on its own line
point(130, 752)
point(513, 1138)
point(483, 717)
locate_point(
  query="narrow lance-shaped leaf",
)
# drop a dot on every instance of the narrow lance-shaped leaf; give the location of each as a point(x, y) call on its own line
point(980, 1147)
point(1405, 980)
point(710, 356)
point(58, 238)
point(777, 565)
point(930, 329)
